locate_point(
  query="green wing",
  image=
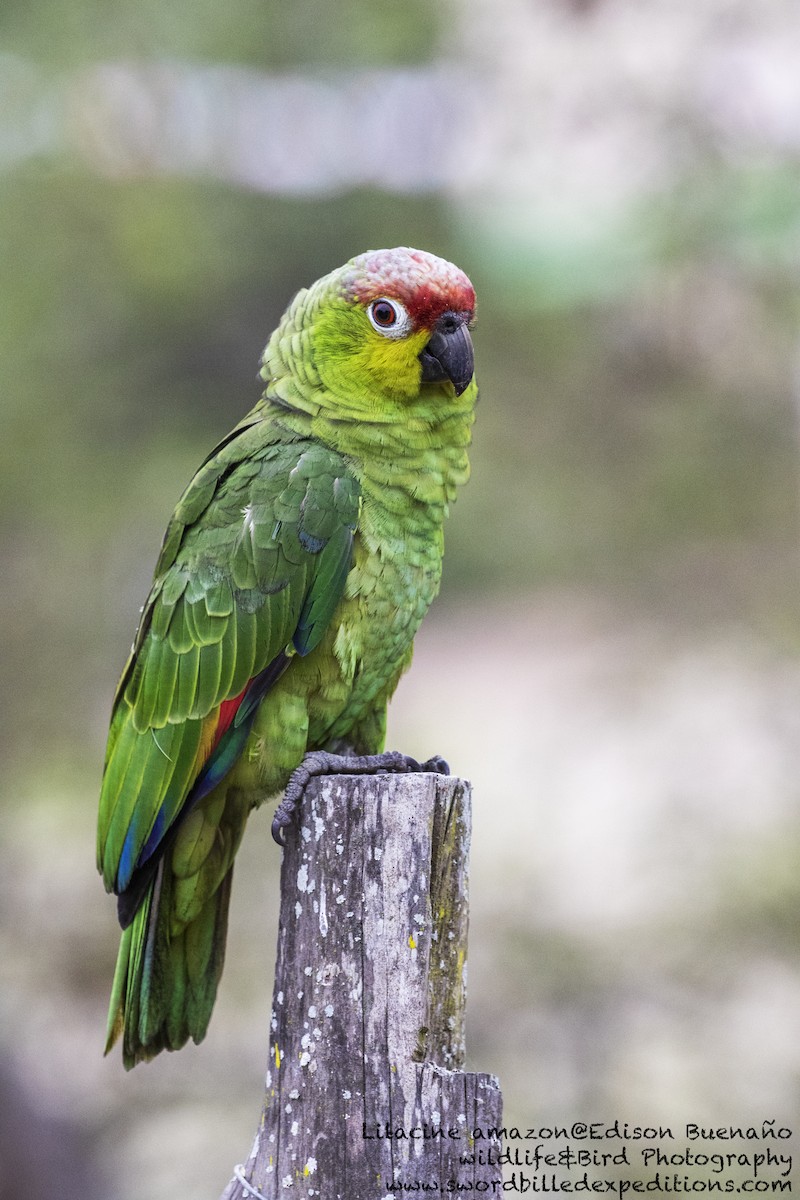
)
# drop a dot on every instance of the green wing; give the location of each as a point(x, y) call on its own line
point(252, 567)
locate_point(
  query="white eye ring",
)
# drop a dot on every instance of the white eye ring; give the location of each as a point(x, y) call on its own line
point(389, 317)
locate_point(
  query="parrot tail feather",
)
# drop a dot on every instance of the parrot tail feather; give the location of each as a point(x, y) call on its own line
point(166, 978)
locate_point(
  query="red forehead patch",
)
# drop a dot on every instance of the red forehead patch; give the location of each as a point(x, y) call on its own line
point(425, 284)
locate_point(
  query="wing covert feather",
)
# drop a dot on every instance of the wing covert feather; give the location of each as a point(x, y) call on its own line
point(253, 564)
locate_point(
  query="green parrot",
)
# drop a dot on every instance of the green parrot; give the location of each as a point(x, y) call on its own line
point(292, 578)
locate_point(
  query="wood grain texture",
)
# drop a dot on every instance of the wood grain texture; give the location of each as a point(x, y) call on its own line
point(367, 1028)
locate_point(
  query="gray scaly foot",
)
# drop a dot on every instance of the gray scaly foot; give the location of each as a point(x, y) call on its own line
point(321, 762)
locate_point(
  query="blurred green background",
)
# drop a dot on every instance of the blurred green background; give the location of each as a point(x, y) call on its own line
point(613, 660)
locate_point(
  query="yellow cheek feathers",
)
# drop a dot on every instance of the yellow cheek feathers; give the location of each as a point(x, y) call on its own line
point(393, 363)
point(360, 365)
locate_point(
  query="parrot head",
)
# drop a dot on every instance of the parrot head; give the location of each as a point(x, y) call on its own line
point(418, 308)
point(386, 328)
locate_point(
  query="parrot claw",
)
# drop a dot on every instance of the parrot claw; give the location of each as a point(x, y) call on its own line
point(437, 765)
point(321, 762)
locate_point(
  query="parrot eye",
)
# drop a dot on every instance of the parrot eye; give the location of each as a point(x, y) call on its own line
point(389, 317)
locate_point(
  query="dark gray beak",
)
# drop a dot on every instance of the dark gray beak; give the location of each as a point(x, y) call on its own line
point(449, 354)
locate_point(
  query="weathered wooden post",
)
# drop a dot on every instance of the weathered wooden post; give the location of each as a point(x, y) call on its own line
point(364, 1088)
